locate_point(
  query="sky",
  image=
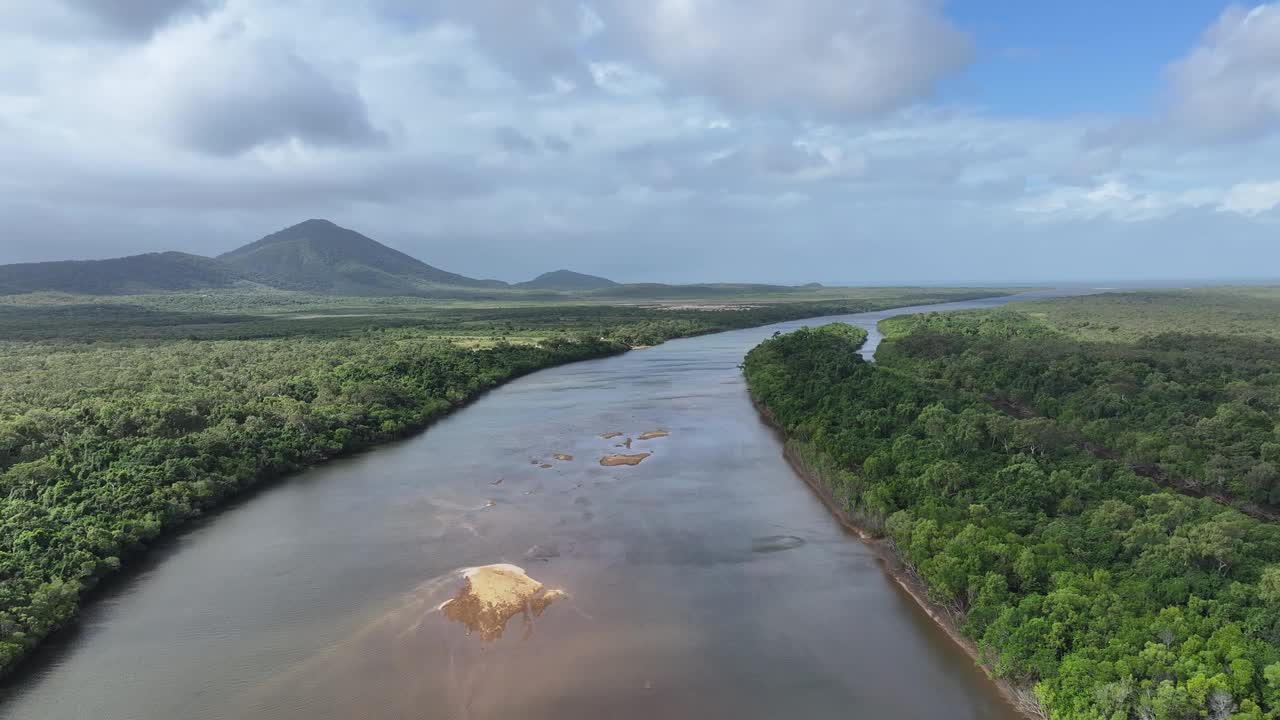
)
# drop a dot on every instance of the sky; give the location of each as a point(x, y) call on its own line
point(867, 141)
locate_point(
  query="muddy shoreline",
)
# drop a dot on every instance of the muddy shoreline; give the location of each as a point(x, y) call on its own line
point(891, 563)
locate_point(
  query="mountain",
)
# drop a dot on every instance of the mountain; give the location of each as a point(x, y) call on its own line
point(320, 256)
point(567, 280)
point(136, 274)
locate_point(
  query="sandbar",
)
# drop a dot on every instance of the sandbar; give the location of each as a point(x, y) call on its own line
point(493, 594)
point(613, 460)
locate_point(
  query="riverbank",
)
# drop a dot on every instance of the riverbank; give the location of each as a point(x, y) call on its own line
point(652, 556)
point(272, 452)
point(1020, 698)
point(151, 436)
point(1042, 553)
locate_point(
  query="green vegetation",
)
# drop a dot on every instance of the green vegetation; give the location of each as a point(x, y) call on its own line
point(1112, 597)
point(241, 316)
point(121, 418)
point(153, 272)
point(104, 449)
point(1248, 311)
point(1185, 387)
point(318, 256)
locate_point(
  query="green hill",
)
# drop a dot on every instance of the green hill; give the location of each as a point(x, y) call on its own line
point(152, 272)
point(567, 280)
point(319, 256)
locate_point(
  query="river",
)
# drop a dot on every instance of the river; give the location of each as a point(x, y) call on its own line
point(707, 581)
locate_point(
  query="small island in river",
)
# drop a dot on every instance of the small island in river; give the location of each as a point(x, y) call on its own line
point(493, 594)
point(614, 460)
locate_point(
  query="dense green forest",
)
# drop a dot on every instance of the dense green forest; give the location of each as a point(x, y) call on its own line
point(1112, 597)
point(122, 419)
point(103, 449)
point(1185, 387)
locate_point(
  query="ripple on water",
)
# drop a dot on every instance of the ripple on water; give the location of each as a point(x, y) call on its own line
point(775, 543)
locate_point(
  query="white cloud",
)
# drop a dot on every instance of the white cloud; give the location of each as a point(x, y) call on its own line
point(138, 18)
point(1112, 199)
point(1228, 86)
point(836, 57)
point(220, 85)
point(624, 79)
point(535, 41)
point(1251, 198)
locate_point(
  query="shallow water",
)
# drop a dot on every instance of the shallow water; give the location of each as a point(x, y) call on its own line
point(707, 581)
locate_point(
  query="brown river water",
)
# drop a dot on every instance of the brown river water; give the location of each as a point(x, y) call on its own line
point(707, 581)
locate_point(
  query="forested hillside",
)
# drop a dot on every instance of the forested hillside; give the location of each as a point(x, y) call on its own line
point(1110, 596)
point(1187, 393)
point(320, 256)
point(153, 272)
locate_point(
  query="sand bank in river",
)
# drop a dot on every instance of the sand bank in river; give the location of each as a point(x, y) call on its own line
point(611, 435)
point(563, 457)
point(654, 434)
point(612, 460)
point(493, 594)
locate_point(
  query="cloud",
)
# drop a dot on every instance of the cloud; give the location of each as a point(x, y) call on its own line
point(1111, 199)
point(1228, 86)
point(218, 87)
point(515, 142)
point(1251, 198)
point(837, 58)
point(557, 144)
point(138, 18)
point(1121, 201)
point(842, 58)
point(535, 41)
point(773, 160)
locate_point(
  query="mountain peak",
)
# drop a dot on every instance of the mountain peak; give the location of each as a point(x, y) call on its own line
point(567, 280)
point(319, 255)
point(317, 229)
point(315, 224)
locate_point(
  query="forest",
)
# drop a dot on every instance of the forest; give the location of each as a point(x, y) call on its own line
point(1183, 387)
point(121, 419)
point(1104, 594)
